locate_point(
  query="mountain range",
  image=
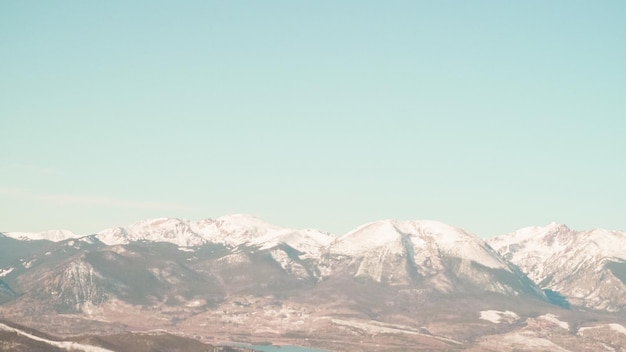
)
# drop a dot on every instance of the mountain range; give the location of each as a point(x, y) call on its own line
point(588, 268)
point(387, 285)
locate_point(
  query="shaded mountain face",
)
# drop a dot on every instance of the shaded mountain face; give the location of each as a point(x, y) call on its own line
point(15, 250)
point(71, 280)
point(579, 268)
point(6, 292)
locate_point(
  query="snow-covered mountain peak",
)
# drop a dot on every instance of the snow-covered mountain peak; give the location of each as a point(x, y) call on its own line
point(446, 236)
point(423, 253)
point(378, 232)
point(555, 224)
point(242, 229)
point(555, 239)
point(546, 233)
point(583, 266)
point(427, 237)
point(243, 220)
point(366, 237)
point(50, 235)
point(308, 242)
point(172, 230)
point(156, 222)
point(230, 230)
point(237, 229)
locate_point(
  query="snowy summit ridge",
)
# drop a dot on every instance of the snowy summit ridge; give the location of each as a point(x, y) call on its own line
point(586, 267)
point(50, 235)
point(427, 254)
point(436, 236)
point(230, 230)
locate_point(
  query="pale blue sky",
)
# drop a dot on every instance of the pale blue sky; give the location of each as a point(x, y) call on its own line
point(488, 115)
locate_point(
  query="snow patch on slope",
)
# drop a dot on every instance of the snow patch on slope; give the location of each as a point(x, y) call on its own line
point(5, 272)
point(553, 319)
point(617, 327)
point(620, 329)
point(68, 345)
point(498, 317)
point(526, 340)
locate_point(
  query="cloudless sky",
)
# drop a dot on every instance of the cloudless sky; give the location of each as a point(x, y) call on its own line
point(487, 115)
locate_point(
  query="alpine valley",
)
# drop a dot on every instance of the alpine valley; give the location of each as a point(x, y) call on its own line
point(218, 284)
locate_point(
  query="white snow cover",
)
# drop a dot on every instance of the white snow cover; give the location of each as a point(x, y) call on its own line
point(539, 246)
point(423, 234)
point(513, 340)
point(307, 241)
point(51, 235)
point(73, 346)
point(498, 317)
point(554, 320)
point(230, 230)
point(398, 250)
point(617, 327)
point(573, 263)
point(177, 231)
point(613, 326)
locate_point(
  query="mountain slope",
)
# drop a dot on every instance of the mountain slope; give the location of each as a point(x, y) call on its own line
point(587, 268)
point(426, 254)
point(148, 274)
